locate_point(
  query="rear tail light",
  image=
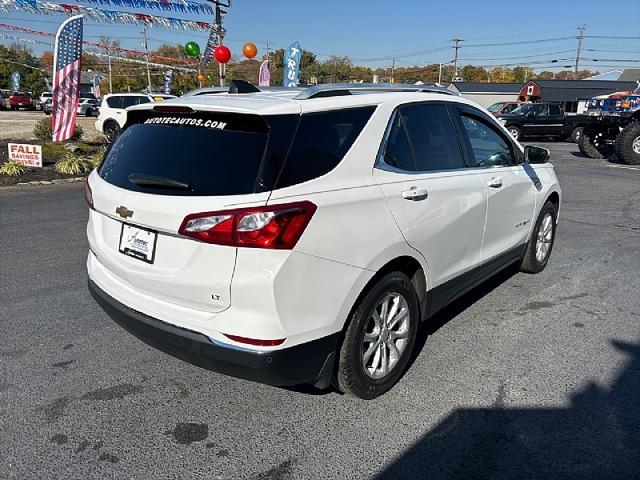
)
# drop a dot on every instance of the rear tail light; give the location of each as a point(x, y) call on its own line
point(88, 196)
point(273, 226)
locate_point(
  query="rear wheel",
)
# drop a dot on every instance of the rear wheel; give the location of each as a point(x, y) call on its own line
point(111, 130)
point(627, 144)
point(514, 132)
point(541, 241)
point(89, 112)
point(379, 339)
point(592, 142)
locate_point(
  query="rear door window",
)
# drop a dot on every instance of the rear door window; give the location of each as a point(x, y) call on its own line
point(321, 142)
point(195, 154)
point(421, 138)
point(432, 137)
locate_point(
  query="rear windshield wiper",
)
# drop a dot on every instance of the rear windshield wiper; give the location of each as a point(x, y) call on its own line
point(145, 180)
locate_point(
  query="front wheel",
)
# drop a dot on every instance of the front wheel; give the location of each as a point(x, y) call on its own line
point(514, 132)
point(379, 339)
point(541, 241)
point(627, 144)
point(576, 133)
point(592, 142)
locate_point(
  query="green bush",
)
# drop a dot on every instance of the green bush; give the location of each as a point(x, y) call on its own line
point(73, 164)
point(42, 130)
point(53, 151)
point(12, 168)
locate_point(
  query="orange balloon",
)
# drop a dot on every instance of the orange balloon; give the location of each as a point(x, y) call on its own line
point(201, 77)
point(249, 50)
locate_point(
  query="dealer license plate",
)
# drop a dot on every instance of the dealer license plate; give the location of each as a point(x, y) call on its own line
point(138, 242)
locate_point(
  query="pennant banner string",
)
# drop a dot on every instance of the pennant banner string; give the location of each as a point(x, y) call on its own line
point(105, 16)
point(110, 48)
point(182, 6)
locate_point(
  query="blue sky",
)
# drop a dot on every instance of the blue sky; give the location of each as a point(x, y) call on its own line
point(372, 32)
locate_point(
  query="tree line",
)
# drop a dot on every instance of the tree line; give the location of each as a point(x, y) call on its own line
point(127, 76)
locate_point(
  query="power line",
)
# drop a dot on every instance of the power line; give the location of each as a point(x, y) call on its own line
point(517, 57)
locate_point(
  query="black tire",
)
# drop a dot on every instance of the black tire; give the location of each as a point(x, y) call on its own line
point(576, 133)
point(624, 146)
point(111, 130)
point(530, 262)
point(88, 113)
point(351, 375)
point(591, 142)
point(514, 131)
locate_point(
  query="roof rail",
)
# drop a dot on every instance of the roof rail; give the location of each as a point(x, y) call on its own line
point(339, 89)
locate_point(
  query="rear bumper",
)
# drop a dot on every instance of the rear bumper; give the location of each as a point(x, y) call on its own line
point(310, 362)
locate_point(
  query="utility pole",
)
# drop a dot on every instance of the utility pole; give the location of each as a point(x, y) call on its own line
point(456, 46)
point(581, 30)
point(393, 70)
point(219, 36)
point(439, 74)
point(146, 52)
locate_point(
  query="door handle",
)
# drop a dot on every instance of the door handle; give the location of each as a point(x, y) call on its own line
point(415, 194)
point(495, 182)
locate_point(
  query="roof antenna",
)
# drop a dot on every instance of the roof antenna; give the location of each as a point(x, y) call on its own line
point(240, 86)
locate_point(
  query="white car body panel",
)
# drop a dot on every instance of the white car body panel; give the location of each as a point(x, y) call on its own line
point(361, 223)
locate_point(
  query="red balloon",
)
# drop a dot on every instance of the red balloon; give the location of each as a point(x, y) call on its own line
point(222, 54)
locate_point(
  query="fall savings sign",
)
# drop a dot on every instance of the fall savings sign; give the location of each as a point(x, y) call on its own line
point(28, 155)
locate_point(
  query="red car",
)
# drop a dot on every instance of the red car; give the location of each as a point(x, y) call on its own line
point(21, 100)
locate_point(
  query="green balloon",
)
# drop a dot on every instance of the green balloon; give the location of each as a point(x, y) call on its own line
point(192, 49)
point(209, 77)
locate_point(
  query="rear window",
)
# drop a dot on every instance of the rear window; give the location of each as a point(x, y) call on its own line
point(207, 154)
point(211, 154)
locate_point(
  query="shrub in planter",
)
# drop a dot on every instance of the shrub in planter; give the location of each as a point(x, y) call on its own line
point(12, 168)
point(53, 151)
point(42, 130)
point(73, 164)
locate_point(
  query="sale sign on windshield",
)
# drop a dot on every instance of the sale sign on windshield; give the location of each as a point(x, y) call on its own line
point(28, 155)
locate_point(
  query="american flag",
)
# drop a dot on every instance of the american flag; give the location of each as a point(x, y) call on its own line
point(264, 77)
point(95, 86)
point(66, 79)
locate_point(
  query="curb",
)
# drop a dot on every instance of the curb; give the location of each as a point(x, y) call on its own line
point(37, 183)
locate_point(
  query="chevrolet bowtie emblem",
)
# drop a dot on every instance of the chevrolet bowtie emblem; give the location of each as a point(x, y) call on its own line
point(124, 212)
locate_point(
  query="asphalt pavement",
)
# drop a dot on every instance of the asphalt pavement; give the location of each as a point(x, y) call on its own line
point(528, 377)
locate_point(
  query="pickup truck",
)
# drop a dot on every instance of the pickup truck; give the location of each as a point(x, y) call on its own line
point(21, 100)
point(543, 119)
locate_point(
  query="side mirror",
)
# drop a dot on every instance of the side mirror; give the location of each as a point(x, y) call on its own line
point(535, 154)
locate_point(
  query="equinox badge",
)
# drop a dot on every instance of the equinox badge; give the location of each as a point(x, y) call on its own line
point(124, 212)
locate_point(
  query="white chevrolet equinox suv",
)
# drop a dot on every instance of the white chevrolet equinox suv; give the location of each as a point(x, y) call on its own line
point(302, 236)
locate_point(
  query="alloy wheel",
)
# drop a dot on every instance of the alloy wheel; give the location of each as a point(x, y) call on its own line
point(545, 238)
point(386, 335)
